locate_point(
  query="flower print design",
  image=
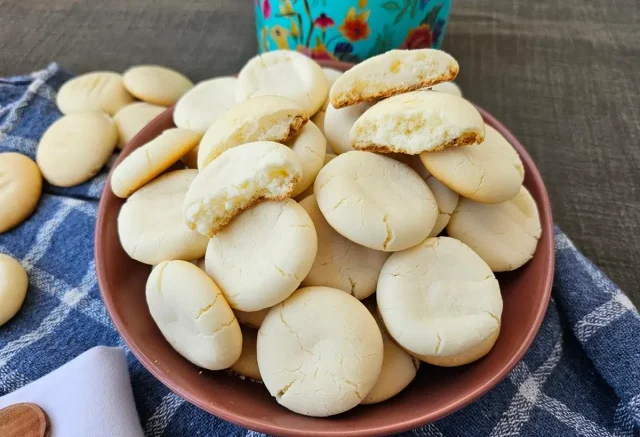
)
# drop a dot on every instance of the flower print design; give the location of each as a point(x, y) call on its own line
point(418, 38)
point(355, 27)
point(437, 30)
point(286, 8)
point(281, 36)
point(323, 21)
point(294, 29)
point(266, 8)
point(343, 47)
point(362, 4)
point(423, 4)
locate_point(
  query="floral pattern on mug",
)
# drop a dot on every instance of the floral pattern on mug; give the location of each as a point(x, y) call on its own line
point(350, 30)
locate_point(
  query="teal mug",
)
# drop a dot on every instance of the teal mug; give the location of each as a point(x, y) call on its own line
point(350, 30)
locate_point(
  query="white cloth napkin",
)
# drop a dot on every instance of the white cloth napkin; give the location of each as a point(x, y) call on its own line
point(89, 396)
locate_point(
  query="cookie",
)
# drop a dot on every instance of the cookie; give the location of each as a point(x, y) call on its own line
point(76, 147)
point(261, 257)
point(99, 91)
point(151, 225)
point(341, 263)
point(20, 189)
point(440, 301)
point(491, 172)
point(150, 160)
point(155, 84)
point(133, 118)
point(391, 73)
point(309, 191)
point(13, 287)
point(416, 122)
point(310, 146)
point(193, 316)
point(338, 124)
point(284, 73)
point(252, 319)
point(504, 235)
point(375, 201)
point(318, 117)
point(199, 107)
point(446, 198)
point(239, 178)
point(398, 367)
point(319, 363)
point(191, 158)
point(266, 118)
point(247, 364)
point(448, 88)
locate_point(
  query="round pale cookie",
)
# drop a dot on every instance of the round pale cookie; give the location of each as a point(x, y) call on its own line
point(76, 147)
point(341, 263)
point(440, 301)
point(133, 118)
point(239, 178)
point(193, 315)
point(151, 225)
point(398, 367)
point(265, 118)
point(247, 364)
point(375, 201)
point(309, 191)
point(150, 160)
point(490, 172)
point(338, 124)
point(199, 107)
point(310, 147)
point(448, 87)
point(391, 73)
point(191, 158)
point(319, 352)
point(504, 235)
point(98, 91)
point(253, 319)
point(318, 117)
point(284, 73)
point(20, 189)
point(446, 198)
point(13, 287)
point(156, 84)
point(420, 121)
point(261, 257)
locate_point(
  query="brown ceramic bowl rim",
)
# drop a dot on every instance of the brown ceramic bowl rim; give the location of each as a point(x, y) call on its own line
point(546, 220)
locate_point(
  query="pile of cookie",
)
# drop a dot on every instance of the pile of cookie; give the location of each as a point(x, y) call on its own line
point(268, 249)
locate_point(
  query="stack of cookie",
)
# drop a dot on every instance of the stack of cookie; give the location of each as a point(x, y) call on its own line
point(269, 230)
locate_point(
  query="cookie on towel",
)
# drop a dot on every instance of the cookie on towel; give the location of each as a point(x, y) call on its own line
point(391, 73)
point(504, 235)
point(20, 189)
point(416, 122)
point(319, 363)
point(98, 91)
point(13, 287)
point(239, 178)
point(155, 84)
point(76, 147)
point(261, 257)
point(193, 316)
point(440, 301)
point(375, 201)
point(284, 73)
point(199, 107)
point(490, 172)
point(341, 263)
point(133, 118)
point(265, 118)
point(151, 225)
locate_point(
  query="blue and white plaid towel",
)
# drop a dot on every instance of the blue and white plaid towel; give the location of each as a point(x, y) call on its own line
point(580, 377)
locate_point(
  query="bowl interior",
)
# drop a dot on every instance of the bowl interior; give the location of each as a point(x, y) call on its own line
point(434, 393)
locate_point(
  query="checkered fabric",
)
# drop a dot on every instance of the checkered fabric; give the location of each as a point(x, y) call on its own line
point(580, 377)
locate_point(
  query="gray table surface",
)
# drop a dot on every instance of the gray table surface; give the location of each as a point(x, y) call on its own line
point(564, 76)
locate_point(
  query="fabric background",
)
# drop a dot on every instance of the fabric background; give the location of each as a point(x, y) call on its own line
point(580, 377)
point(564, 76)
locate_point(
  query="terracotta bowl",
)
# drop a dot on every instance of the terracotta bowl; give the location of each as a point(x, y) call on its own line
point(435, 393)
